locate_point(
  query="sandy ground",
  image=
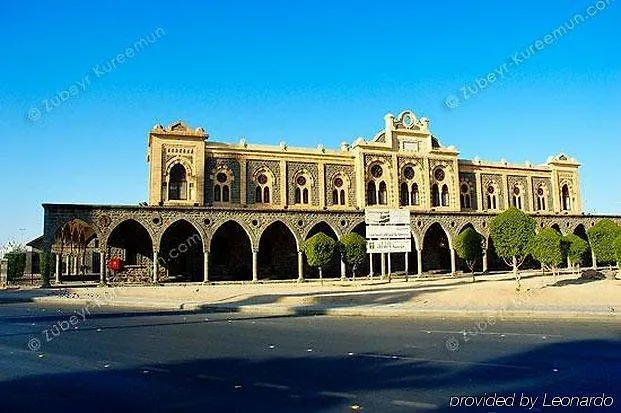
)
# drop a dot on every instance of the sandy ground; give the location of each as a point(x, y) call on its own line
point(489, 293)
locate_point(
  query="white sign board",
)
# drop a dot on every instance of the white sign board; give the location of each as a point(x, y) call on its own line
point(389, 245)
point(386, 216)
point(388, 231)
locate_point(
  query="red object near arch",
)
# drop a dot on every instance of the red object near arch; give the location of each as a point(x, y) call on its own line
point(115, 264)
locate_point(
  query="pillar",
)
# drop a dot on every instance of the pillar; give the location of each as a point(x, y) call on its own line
point(594, 258)
point(206, 267)
point(300, 265)
point(370, 265)
point(155, 265)
point(58, 269)
point(75, 265)
point(419, 262)
point(485, 261)
point(389, 264)
point(255, 265)
point(343, 270)
point(383, 263)
point(453, 263)
point(102, 267)
point(407, 264)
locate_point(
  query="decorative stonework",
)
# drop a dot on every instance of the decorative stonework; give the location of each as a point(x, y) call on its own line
point(496, 181)
point(296, 168)
point(252, 168)
point(212, 166)
point(347, 171)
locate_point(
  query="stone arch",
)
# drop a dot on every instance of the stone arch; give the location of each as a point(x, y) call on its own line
point(181, 246)
point(75, 242)
point(230, 253)
point(241, 223)
point(130, 241)
point(437, 244)
point(556, 227)
point(278, 248)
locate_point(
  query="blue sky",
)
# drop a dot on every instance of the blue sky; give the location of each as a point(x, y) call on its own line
point(306, 72)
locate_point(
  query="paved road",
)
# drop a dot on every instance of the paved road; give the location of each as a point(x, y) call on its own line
point(109, 360)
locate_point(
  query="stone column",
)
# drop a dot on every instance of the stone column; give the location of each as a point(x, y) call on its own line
point(206, 267)
point(155, 266)
point(255, 265)
point(4, 272)
point(343, 270)
point(419, 262)
point(102, 267)
point(383, 263)
point(389, 264)
point(75, 265)
point(371, 265)
point(407, 264)
point(485, 263)
point(453, 262)
point(594, 258)
point(300, 265)
point(58, 268)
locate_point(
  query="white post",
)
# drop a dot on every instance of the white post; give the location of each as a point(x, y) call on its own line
point(370, 265)
point(419, 262)
point(255, 265)
point(594, 258)
point(383, 263)
point(155, 266)
point(102, 267)
point(485, 261)
point(343, 270)
point(407, 264)
point(58, 269)
point(300, 265)
point(389, 264)
point(453, 263)
point(206, 267)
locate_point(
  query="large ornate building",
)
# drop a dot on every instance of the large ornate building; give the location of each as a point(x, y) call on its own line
point(220, 211)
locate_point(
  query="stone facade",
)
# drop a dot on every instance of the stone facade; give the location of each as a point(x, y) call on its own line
point(202, 185)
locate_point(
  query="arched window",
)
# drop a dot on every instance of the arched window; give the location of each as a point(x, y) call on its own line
point(414, 195)
point(465, 196)
point(491, 197)
point(404, 196)
point(445, 195)
point(302, 184)
point(262, 192)
point(371, 193)
point(258, 196)
point(435, 195)
point(177, 185)
point(541, 199)
point(222, 186)
point(339, 184)
point(298, 196)
point(383, 200)
point(517, 197)
point(565, 198)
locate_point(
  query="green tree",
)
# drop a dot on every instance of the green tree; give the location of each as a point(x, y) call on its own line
point(617, 245)
point(319, 250)
point(469, 247)
point(576, 249)
point(548, 248)
point(353, 250)
point(45, 260)
point(15, 255)
point(511, 232)
point(601, 237)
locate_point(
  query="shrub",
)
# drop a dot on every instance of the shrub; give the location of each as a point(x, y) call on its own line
point(45, 265)
point(16, 262)
point(353, 249)
point(469, 247)
point(319, 250)
point(511, 232)
point(602, 237)
point(547, 248)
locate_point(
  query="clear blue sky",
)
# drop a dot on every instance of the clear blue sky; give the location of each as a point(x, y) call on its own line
point(309, 73)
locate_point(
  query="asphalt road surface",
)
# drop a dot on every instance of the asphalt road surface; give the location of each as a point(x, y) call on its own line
point(114, 360)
